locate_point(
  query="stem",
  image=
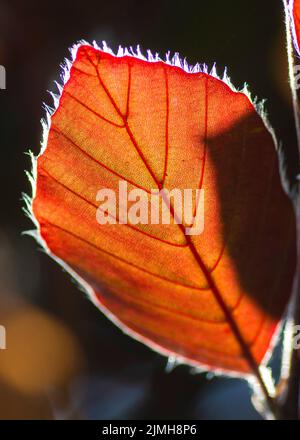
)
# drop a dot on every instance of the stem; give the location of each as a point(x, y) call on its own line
point(290, 370)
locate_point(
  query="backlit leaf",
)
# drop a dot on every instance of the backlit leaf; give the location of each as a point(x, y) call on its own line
point(214, 299)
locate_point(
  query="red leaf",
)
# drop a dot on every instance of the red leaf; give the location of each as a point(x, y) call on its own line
point(213, 299)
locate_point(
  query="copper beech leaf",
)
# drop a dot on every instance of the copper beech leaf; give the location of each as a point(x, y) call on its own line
point(212, 300)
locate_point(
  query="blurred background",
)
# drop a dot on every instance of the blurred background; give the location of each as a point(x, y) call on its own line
point(64, 360)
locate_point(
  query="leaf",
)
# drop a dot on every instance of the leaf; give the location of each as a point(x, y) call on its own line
point(293, 6)
point(212, 300)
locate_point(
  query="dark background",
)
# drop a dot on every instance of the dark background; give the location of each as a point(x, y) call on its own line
point(63, 358)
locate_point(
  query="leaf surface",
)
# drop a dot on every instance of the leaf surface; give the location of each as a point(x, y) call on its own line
point(294, 6)
point(214, 299)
